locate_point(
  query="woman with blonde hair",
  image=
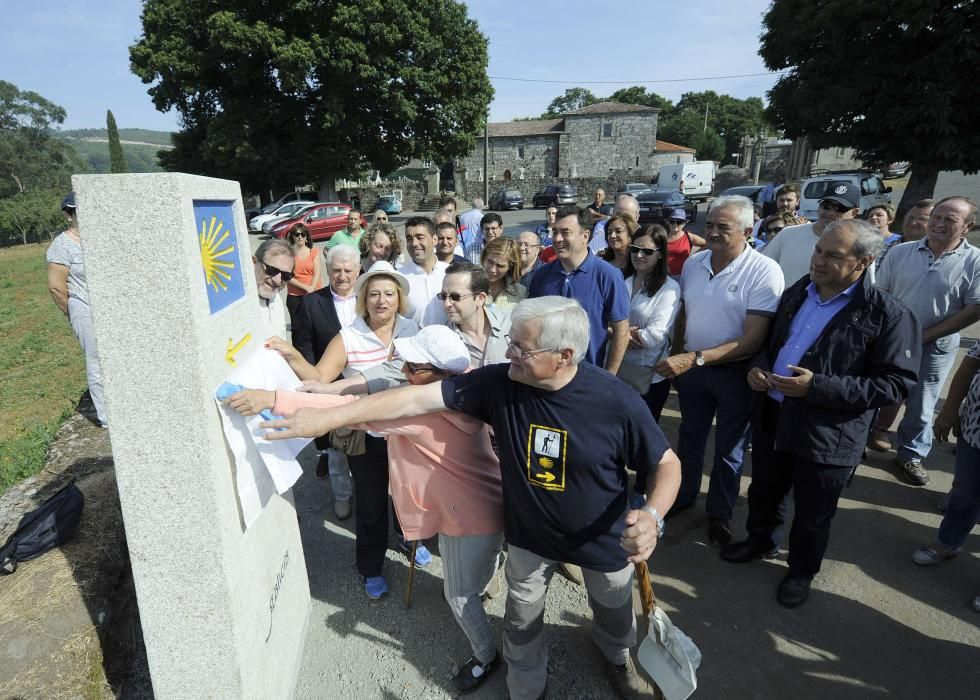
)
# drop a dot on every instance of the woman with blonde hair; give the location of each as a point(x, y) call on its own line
point(501, 260)
point(379, 243)
point(382, 301)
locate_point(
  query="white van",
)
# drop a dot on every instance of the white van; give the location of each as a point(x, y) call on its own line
point(869, 184)
point(695, 180)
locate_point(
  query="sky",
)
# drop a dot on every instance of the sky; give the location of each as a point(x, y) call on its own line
point(75, 52)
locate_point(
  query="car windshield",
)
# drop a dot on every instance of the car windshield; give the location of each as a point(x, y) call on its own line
point(654, 196)
point(512, 193)
point(818, 189)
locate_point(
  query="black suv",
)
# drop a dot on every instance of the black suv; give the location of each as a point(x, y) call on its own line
point(506, 199)
point(555, 194)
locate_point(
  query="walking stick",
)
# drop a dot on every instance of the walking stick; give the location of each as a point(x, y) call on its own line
point(649, 602)
point(411, 576)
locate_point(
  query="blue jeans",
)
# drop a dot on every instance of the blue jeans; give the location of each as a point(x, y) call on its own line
point(717, 392)
point(915, 430)
point(964, 498)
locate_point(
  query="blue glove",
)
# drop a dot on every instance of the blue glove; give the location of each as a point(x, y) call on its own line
point(227, 389)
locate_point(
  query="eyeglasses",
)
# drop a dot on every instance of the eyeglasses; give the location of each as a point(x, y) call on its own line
point(299, 234)
point(528, 245)
point(271, 271)
point(453, 296)
point(637, 250)
point(521, 352)
point(414, 368)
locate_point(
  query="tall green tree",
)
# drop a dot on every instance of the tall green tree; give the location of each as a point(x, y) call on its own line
point(30, 158)
point(896, 81)
point(638, 95)
point(709, 146)
point(286, 92)
point(571, 99)
point(730, 117)
point(117, 161)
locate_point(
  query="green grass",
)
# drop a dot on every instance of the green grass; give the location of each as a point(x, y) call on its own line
point(40, 361)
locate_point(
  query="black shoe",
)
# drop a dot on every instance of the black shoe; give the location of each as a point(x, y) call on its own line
point(473, 673)
point(719, 534)
point(793, 591)
point(747, 550)
point(323, 466)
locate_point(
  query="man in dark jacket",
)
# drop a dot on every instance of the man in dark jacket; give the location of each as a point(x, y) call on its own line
point(837, 350)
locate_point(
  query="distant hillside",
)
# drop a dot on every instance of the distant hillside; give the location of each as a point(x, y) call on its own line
point(140, 146)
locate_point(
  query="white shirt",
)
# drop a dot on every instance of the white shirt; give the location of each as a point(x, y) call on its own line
point(273, 312)
point(715, 305)
point(654, 317)
point(423, 307)
point(792, 250)
point(346, 308)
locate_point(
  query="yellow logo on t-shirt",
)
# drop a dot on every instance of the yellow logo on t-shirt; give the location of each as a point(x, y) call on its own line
point(546, 457)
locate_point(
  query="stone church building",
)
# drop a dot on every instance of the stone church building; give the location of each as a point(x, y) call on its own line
point(605, 140)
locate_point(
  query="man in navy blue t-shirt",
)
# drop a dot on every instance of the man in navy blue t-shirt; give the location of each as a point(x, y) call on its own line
point(566, 429)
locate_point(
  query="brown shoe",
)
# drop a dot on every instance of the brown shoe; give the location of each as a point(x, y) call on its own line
point(879, 441)
point(624, 679)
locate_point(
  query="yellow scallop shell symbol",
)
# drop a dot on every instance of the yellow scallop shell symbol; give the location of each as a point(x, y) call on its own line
point(212, 238)
point(546, 462)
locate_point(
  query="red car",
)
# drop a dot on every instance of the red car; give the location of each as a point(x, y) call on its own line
point(323, 221)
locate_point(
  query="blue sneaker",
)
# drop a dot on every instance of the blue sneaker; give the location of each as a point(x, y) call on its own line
point(423, 557)
point(376, 587)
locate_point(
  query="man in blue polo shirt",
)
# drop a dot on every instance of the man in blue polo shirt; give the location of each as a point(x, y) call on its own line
point(594, 283)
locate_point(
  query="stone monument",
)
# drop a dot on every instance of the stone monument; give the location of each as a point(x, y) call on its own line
point(224, 609)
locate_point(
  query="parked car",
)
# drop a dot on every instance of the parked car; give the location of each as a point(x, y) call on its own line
point(284, 212)
point(655, 207)
point(506, 199)
point(896, 170)
point(750, 191)
point(285, 199)
point(555, 194)
point(323, 220)
point(872, 188)
point(389, 204)
point(633, 188)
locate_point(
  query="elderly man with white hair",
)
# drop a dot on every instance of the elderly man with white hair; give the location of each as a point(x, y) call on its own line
point(566, 430)
point(321, 316)
point(729, 294)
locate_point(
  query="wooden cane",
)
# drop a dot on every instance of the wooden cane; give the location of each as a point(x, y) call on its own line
point(649, 603)
point(411, 576)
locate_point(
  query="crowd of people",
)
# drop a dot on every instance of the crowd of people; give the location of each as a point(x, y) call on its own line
point(504, 392)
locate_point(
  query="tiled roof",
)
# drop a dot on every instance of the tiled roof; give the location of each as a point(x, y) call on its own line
point(531, 127)
point(612, 108)
point(664, 147)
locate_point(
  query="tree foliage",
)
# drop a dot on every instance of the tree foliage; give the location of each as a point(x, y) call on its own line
point(117, 161)
point(285, 92)
point(571, 99)
point(638, 95)
point(896, 81)
point(32, 215)
point(30, 158)
point(709, 146)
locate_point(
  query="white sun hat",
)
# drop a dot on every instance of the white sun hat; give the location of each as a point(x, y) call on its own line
point(435, 345)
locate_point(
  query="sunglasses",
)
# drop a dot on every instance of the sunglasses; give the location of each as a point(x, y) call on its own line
point(833, 206)
point(453, 296)
point(414, 368)
point(774, 230)
point(271, 271)
point(636, 250)
point(677, 222)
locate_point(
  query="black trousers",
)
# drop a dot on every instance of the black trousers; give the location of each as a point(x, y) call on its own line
point(370, 474)
point(816, 491)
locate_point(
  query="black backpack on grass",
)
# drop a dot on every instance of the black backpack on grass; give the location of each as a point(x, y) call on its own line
point(44, 528)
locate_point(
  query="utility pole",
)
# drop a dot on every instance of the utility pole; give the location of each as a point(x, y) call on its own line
point(705, 127)
point(486, 157)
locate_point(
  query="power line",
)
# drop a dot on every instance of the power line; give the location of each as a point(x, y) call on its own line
point(630, 82)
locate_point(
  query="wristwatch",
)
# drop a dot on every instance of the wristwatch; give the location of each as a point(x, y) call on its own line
point(656, 516)
point(698, 358)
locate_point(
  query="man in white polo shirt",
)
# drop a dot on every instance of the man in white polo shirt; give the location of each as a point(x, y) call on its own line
point(424, 272)
point(729, 294)
point(938, 278)
point(793, 247)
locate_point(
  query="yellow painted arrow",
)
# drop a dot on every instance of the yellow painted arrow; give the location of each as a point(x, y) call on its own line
point(546, 476)
point(233, 349)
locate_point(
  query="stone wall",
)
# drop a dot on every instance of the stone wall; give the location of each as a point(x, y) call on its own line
point(586, 187)
point(412, 194)
point(603, 142)
point(534, 156)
